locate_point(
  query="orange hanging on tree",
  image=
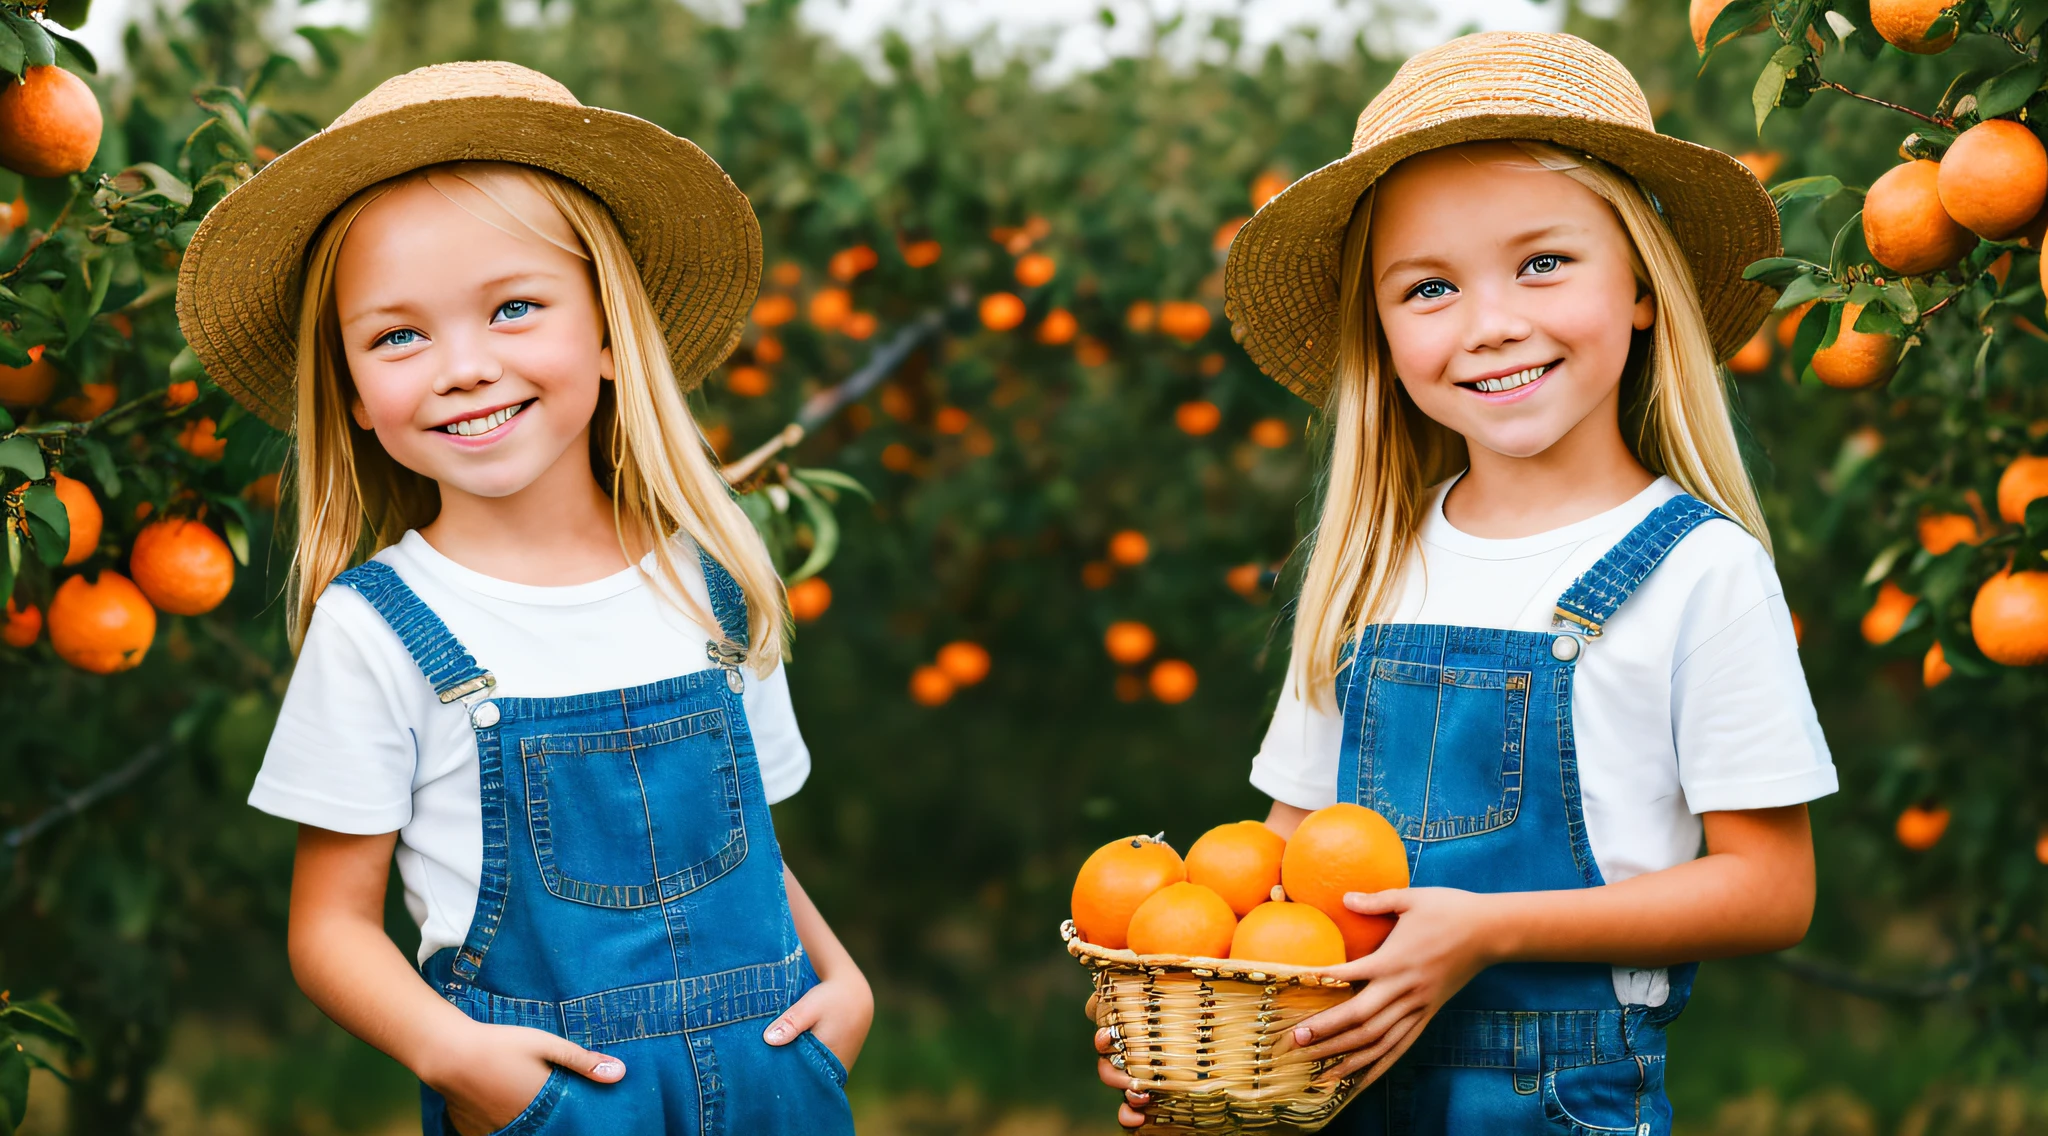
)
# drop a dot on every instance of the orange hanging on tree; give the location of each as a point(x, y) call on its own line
point(182, 566)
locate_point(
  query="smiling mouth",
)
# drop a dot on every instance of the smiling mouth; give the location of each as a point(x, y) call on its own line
point(471, 427)
point(1520, 378)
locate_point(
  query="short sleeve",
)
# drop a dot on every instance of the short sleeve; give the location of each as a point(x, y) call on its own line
point(1743, 721)
point(1297, 762)
point(342, 756)
point(778, 744)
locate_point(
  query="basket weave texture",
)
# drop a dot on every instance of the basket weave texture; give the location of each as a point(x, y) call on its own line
point(1199, 1035)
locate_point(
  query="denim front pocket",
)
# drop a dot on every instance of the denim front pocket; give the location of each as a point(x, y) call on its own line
point(634, 817)
point(1443, 747)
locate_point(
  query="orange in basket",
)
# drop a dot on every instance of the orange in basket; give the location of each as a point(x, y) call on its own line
point(1291, 933)
point(1121, 875)
point(1240, 862)
point(1183, 919)
point(1339, 849)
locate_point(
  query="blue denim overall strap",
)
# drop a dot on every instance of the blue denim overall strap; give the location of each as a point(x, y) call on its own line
point(631, 897)
point(1462, 738)
point(448, 667)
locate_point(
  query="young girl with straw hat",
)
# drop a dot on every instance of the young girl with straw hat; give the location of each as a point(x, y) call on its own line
point(1539, 630)
point(555, 689)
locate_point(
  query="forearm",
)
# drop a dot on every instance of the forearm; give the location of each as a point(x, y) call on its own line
point(357, 976)
point(829, 957)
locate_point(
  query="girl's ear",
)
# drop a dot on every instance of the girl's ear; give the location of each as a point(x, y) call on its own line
point(359, 412)
point(605, 369)
point(1645, 313)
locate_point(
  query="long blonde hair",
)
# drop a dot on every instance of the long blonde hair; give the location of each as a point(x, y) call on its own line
point(1385, 453)
point(645, 448)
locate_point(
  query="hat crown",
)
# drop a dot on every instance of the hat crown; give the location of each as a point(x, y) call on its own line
point(473, 80)
point(1548, 74)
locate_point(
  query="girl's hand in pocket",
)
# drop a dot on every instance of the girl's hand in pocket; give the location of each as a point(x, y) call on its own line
point(494, 1073)
point(1439, 942)
point(838, 1009)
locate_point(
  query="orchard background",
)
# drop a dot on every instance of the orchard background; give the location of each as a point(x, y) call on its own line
point(1076, 474)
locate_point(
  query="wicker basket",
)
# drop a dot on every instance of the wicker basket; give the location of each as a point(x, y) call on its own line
point(1198, 1034)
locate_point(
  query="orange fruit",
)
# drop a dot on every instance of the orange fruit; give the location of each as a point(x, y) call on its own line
point(1172, 681)
point(809, 599)
point(1920, 826)
point(1141, 316)
point(1289, 934)
point(965, 662)
point(1856, 358)
point(787, 274)
point(1097, 574)
point(1184, 320)
point(859, 325)
point(262, 492)
point(952, 420)
point(1267, 186)
point(1934, 668)
point(1761, 163)
point(1887, 613)
point(1091, 352)
point(1244, 579)
point(929, 686)
point(82, 510)
point(30, 385)
point(1129, 548)
point(22, 625)
point(1114, 880)
point(1226, 233)
point(2009, 618)
point(1001, 311)
point(1212, 364)
point(182, 566)
point(1339, 849)
point(1904, 24)
point(768, 350)
point(830, 307)
point(1905, 226)
point(1240, 862)
point(1198, 417)
point(1702, 16)
point(198, 439)
point(1788, 328)
point(1129, 642)
point(1271, 433)
point(2025, 480)
point(921, 254)
point(49, 123)
point(1940, 532)
point(1035, 270)
point(749, 382)
point(2041, 845)
point(848, 263)
point(1994, 178)
point(1754, 356)
point(101, 627)
point(774, 310)
point(1182, 919)
point(91, 401)
point(1059, 326)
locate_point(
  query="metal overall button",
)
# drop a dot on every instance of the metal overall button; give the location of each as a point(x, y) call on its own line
point(484, 715)
point(1565, 648)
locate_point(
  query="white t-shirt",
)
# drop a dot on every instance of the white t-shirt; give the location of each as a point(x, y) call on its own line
point(1692, 700)
point(363, 745)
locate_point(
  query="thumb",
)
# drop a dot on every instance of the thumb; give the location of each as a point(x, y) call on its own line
point(577, 1059)
point(1392, 901)
point(801, 1016)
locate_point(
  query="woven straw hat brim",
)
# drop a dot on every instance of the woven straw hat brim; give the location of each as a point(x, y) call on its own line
point(691, 231)
point(1281, 278)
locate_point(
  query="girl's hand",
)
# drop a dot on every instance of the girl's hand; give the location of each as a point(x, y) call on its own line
point(838, 1009)
point(495, 1072)
point(1441, 939)
point(1131, 1112)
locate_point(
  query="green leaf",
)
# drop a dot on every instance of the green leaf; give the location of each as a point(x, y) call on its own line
point(10, 562)
point(1778, 271)
point(1737, 19)
point(44, 508)
point(22, 454)
point(13, 1085)
point(1882, 565)
point(824, 530)
point(1880, 319)
point(238, 539)
point(2008, 92)
point(1764, 97)
point(1820, 185)
point(13, 57)
point(69, 13)
point(1900, 297)
point(49, 1021)
point(6, 419)
point(101, 460)
point(40, 50)
point(1810, 286)
point(834, 478)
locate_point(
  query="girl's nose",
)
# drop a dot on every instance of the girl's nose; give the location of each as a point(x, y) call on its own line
point(1491, 321)
point(466, 365)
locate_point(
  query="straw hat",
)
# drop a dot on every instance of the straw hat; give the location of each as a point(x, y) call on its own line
point(690, 229)
point(1280, 283)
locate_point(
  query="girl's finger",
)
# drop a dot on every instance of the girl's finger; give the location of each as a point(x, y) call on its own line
point(801, 1015)
point(1129, 1117)
point(1105, 1039)
point(1365, 1035)
point(1112, 1076)
point(1359, 1009)
point(1380, 1067)
point(1377, 1057)
point(1392, 901)
point(573, 1057)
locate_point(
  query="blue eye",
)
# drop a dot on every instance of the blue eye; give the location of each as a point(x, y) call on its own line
point(514, 309)
point(1545, 263)
point(403, 337)
point(1434, 288)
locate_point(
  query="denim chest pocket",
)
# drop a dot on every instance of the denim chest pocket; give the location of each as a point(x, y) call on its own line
point(1441, 755)
point(635, 817)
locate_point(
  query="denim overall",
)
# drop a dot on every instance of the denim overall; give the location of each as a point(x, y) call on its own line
point(1462, 738)
point(632, 897)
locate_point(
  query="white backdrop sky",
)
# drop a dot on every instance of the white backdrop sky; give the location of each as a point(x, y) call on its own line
point(1069, 28)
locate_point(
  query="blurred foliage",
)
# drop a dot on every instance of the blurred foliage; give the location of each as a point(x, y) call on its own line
point(939, 833)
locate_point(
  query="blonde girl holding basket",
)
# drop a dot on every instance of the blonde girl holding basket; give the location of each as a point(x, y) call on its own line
point(1540, 630)
point(539, 643)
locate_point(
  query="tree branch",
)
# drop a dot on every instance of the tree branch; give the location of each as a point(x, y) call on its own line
point(110, 783)
point(1830, 84)
point(1927, 989)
